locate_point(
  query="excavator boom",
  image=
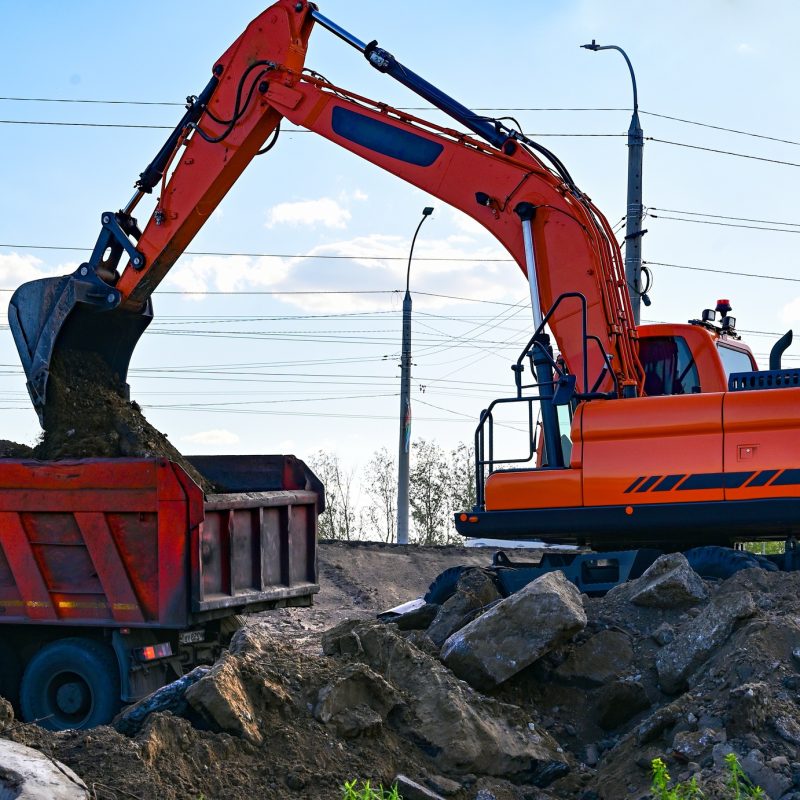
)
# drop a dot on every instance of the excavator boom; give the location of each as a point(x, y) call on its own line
point(554, 233)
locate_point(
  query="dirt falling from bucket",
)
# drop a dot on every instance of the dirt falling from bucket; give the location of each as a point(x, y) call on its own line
point(87, 416)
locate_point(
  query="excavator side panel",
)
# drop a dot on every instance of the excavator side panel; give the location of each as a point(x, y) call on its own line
point(653, 450)
point(762, 444)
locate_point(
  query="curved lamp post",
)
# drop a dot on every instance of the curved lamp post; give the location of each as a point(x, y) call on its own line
point(405, 401)
point(633, 225)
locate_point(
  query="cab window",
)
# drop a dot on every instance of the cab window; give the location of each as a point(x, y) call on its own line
point(734, 360)
point(669, 366)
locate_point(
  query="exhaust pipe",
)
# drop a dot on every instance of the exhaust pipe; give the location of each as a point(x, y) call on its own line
point(778, 350)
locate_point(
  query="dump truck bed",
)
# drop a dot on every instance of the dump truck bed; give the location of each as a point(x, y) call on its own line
point(135, 543)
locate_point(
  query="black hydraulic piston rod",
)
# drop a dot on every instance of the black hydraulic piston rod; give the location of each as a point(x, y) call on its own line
point(384, 61)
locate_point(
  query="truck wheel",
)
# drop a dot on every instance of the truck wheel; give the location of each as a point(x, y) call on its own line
point(720, 562)
point(444, 585)
point(71, 683)
point(10, 673)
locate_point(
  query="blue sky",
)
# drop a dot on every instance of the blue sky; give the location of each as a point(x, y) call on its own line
point(238, 371)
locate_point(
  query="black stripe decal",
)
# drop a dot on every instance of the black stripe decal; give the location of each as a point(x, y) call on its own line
point(789, 477)
point(717, 480)
point(635, 484)
point(648, 483)
point(762, 478)
point(703, 480)
point(734, 480)
point(669, 483)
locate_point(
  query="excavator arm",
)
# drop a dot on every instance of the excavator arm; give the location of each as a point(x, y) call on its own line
point(553, 232)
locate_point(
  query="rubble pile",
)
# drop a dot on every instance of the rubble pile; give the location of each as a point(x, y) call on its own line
point(544, 695)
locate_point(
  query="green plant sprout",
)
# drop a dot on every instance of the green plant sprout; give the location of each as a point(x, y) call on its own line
point(350, 791)
point(742, 788)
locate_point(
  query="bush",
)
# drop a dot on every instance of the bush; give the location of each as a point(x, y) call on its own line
point(741, 786)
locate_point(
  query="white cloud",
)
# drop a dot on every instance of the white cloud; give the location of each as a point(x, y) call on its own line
point(16, 269)
point(745, 49)
point(215, 436)
point(324, 211)
point(360, 196)
point(452, 265)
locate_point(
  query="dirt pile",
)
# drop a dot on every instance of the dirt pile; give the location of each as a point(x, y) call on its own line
point(663, 667)
point(87, 416)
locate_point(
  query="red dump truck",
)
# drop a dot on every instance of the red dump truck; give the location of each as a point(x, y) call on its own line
point(119, 575)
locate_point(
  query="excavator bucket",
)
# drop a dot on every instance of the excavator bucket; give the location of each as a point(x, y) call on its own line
point(78, 313)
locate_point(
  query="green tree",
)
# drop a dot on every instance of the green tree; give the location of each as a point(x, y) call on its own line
point(341, 519)
point(380, 485)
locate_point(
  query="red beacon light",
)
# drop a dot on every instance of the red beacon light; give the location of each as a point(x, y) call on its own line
point(724, 307)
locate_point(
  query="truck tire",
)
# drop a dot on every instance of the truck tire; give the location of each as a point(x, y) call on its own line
point(10, 673)
point(444, 585)
point(71, 683)
point(719, 563)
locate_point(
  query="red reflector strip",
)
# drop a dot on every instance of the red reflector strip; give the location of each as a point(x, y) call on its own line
point(154, 651)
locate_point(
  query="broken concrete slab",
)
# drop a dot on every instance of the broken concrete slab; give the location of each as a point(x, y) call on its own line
point(516, 632)
point(475, 590)
point(604, 657)
point(669, 583)
point(357, 703)
point(676, 661)
point(411, 790)
point(492, 738)
point(229, 702)
point(27, 774)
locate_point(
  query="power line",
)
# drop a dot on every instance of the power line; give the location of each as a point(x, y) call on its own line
point(724, 272)
point(723, 216)
point(723, 224)
point(683, 120)
point(722, 152)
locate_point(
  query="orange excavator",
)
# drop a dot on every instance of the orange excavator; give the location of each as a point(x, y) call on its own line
point(663, 435)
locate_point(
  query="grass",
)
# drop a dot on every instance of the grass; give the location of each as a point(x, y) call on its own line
point(350, 791)
point(740, 785)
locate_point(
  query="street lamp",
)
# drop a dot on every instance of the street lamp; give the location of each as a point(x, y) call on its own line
point(633, 225)
point(405, 401)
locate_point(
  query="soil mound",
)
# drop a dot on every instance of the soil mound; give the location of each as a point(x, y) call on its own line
point(88, 416)
point(664, 667)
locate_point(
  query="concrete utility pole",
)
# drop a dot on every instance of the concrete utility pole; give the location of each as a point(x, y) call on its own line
point(633, 225)
point(405, 401)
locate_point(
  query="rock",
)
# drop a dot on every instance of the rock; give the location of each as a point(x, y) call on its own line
point(474, 591)
point(607, 655)
point(341, 640)
point(591, 756)
point(703, 635)
point(460, 730)
point(416, 619)
point(229, 702)
point(747, 709)
point(719, 753)
point(787, 728)
point(357, 703)
point(410, 790)
point(168, 698)
point(6, 714)
point(485, 794)
point(668, 583)
point(693, 745)
point(773, 783)
point(661, 719)
point(443, 785)
point(618, 702)
point(516, 632)
point(663, 634)
point(27, 774)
